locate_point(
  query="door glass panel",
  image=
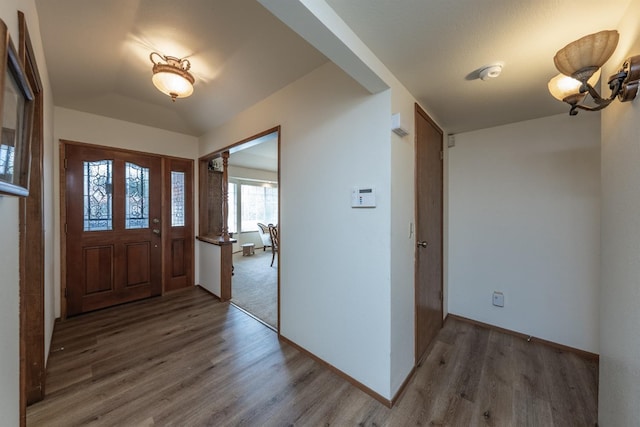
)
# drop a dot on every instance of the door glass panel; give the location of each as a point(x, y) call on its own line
point(177, 199)
point(97, 195)
point(137, 197)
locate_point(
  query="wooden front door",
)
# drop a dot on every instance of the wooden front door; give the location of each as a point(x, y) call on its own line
point(178, 226)
point(113, 226)
point(428, 281)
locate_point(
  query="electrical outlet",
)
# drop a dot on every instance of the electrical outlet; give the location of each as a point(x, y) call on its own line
point(498, 299)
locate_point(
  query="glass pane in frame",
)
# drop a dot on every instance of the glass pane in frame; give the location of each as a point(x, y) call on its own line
point(98, 200)
point(16, 113)
point(136, 182)
point(232, 220)
point(258, 203)
point(177, 199)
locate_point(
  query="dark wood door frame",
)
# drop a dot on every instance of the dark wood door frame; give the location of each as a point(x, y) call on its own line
point(31, 242)
point(63, 215)
point(421, 114)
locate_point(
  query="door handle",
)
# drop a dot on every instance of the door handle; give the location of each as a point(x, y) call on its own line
point(156, 231)
point(422, 244)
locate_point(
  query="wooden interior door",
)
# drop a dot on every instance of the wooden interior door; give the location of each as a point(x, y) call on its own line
point(428, 280)
point(178, 226)
point(113, 227)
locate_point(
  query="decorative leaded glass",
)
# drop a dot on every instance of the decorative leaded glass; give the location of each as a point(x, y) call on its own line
point(98, 203)
point(136, 181)
point(177, 199)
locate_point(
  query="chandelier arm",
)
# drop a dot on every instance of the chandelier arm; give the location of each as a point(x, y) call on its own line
point(162, 58)
point(597, 98)
point(589, 108)
point(574, 108)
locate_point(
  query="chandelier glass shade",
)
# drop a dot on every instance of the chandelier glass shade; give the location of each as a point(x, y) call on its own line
point(563, 87)
point(580, 63)
point(171, 75)
point(583, 57)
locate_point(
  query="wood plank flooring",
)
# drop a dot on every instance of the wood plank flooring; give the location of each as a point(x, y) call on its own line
point(186, 359)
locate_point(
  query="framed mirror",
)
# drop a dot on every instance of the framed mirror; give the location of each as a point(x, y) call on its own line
point(16, 114)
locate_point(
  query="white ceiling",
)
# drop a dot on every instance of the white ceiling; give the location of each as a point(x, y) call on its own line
point(435, 47)
point(261, 153)
point(97, 54)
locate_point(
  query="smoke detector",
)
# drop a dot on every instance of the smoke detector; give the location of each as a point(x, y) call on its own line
point(490, 72)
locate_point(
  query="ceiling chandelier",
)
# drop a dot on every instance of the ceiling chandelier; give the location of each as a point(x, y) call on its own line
point(580, 62)
point(171, 75)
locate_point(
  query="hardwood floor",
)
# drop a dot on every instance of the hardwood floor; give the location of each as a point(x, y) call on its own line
point(186, 359)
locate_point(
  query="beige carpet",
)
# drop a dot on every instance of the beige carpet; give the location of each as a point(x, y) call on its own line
point(255, 285)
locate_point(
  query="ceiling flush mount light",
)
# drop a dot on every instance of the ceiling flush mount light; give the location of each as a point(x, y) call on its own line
point(580, 62)
point(171, 75)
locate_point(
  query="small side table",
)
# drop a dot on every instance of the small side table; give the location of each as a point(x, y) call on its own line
point(248, 249)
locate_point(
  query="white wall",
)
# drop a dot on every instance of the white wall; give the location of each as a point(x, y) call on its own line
point(209, 267)
point(619, 385)
point(9, 286)
point(318, 23)
point(334, 289)
point(402, 250)
point(92, 129)
point(524, 219)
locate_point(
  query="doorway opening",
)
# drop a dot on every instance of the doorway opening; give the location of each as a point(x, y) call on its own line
point(253, 221)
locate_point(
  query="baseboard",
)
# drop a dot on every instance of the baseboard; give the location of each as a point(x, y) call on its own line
point(582, 353)
point(388, 403)
point(403, 387)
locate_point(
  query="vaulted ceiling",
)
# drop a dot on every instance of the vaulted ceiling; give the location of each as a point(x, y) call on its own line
point(97, 54)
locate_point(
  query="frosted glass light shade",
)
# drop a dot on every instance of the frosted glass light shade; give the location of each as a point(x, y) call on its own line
point(172, 76)
point(172, 84)
point(581, 58)
point(564, 87)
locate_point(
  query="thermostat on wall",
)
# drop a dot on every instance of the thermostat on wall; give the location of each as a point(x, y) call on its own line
point(363, 198)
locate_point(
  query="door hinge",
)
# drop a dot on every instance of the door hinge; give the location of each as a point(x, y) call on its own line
point(65, 163)
point(66, 292)
point(441, 155)
point(65, 227)
point(440, 295)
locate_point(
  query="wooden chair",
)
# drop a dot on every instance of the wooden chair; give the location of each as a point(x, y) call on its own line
point(275, 243)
